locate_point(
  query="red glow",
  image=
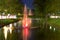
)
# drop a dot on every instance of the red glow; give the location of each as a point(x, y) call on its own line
point(25, 33)
point(26, 21)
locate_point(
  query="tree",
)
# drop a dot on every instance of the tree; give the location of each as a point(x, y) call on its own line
point(12, 6)
point(46, 6)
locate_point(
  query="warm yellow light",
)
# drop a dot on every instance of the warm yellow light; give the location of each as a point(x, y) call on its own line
point(5, 10)
point(19, 14)
point(5, 32)
point(10, 28)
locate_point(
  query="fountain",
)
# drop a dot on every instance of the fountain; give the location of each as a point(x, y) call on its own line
point(26, 22)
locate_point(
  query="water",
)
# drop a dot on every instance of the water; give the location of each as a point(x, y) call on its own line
point(33, 34)
point(17, 34)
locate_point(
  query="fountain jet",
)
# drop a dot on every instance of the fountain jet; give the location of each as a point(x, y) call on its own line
point(30, 12)
point(26, 22)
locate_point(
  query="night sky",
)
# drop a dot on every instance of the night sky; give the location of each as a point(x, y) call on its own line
point(29, 3)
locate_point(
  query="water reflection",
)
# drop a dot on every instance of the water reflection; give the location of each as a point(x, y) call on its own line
point(54, 29)
point(5, 32)
point(10, 28)
point(31, 34)
point(26, 33)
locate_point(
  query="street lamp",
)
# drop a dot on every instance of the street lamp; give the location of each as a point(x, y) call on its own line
point(5, 10)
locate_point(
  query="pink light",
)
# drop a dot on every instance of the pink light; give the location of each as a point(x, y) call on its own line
point(25, 34)
point(26, 22)
point(26, 31)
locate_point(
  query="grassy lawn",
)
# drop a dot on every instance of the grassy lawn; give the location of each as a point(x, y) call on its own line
point(7, 21)
point(54, 21)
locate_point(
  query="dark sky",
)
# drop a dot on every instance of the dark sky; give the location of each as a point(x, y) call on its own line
point(29, 3)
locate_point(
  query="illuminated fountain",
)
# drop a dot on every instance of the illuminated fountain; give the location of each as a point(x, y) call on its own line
point(26, 22)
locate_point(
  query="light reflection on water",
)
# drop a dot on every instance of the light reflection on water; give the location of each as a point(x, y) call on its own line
point(10, 28)
point(26, 33)
point(16, 35)
point(6, 29)
point(5, 32)
point(32, 34)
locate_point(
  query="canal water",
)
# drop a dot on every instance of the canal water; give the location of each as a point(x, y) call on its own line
point(39, 33)
point(17, 34)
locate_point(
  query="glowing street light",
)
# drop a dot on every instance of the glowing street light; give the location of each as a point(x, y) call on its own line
point(5, 10)
point(50, 27)
point(19, 14)
point(26, 22)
